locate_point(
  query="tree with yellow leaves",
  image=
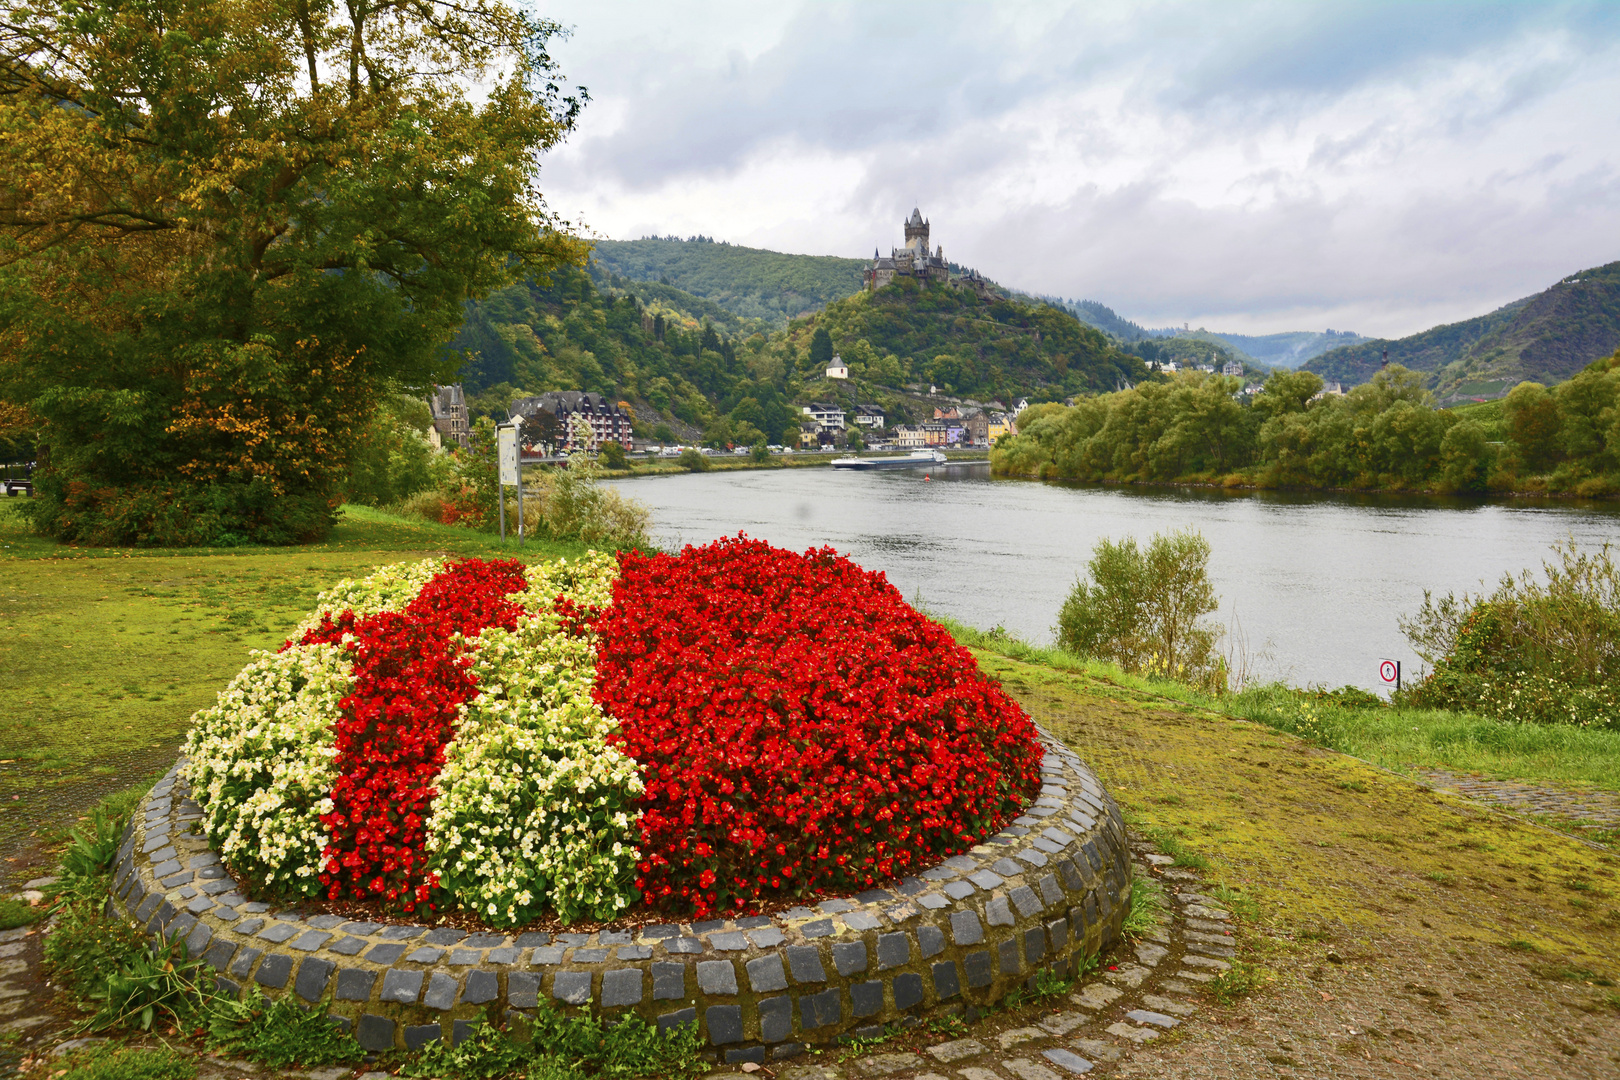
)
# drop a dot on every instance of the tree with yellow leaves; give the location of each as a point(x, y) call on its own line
point(229, 227)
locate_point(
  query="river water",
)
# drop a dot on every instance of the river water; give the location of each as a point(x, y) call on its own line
point(1316, 583)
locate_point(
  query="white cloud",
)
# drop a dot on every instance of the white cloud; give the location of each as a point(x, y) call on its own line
point(1253, 167)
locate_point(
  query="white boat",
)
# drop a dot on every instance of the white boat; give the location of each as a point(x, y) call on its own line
point(911, 461)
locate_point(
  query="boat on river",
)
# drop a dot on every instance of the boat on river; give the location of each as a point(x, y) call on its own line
point(910, 461)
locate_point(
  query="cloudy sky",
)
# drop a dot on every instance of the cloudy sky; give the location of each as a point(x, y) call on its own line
point(1249, 167)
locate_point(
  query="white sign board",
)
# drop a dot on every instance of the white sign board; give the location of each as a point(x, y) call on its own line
point(1389, 673)
point(506, 452)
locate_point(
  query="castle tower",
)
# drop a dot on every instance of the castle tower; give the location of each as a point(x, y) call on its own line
point(917, 233)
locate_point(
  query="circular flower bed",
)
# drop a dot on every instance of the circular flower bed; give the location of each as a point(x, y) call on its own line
point(710, 730)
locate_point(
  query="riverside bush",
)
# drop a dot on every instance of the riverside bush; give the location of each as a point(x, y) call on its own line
point(1144, 610)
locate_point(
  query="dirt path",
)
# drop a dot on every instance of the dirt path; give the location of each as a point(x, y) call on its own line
point(1404, 932)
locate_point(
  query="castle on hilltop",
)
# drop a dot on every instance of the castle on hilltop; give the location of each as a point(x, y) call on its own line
point(915, 261)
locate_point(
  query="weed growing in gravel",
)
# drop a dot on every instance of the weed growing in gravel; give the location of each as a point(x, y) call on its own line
point(110, 1061)
point(1241, 979)
point(1169, 842)
point(279, 1033)
point(15, 913)
point(566, 1048)
point(1147, 904)
point(1236, 901)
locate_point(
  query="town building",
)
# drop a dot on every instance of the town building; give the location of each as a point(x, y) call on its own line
point(1232, 368)
point(451, 423)
point(934, 432)
point(999, 424)
point(869, 416)
point(913, 260)
point(837, 369)
point(809, 435)
point(978, 429)
point(548, 419)
point(909, 437)
point(827, 415)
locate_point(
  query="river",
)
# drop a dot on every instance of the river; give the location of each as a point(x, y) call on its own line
point(1315, 582)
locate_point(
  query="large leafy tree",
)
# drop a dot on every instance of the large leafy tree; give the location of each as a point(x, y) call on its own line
point(228, 227)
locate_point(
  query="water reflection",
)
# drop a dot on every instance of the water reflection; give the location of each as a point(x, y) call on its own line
point(1316, 581)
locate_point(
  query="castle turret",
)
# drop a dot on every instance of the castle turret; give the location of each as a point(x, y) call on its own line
point(917, 233)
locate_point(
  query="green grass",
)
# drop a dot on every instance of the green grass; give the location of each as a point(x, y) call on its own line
point(108, 651)
point(15, 913)
point(112, 1061)
point(1401, 739)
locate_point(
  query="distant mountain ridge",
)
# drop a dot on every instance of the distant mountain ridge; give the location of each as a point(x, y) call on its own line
point(1544, 338)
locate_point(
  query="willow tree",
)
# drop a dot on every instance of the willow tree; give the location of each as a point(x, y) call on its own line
point(227, 227)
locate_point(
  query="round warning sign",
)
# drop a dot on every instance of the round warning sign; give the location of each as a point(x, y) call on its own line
point(1389, 672)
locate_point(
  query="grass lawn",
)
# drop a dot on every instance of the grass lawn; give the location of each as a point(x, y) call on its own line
point(106, 652)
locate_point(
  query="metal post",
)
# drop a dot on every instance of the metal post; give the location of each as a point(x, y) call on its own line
point(520, 492)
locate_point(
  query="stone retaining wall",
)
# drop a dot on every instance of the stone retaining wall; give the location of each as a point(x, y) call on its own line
point(1053, 885)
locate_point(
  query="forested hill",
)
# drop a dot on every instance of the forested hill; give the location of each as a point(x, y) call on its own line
point(985, 348)
point(748, 282)
point(1544, 338)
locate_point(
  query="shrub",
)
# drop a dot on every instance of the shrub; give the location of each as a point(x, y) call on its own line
point(612, 456)
point(800, 728)
point(1547, 653)
point(1144, 609)
point(693, 460)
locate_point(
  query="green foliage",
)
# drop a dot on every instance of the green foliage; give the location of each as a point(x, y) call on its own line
point(693, 460)
point(570, 503)
point(15, 913)
point(1382, 434)
point(612, 456)
point(112, 1061)
point(90, 852)
point(279, 1033)
point(566, 1047)
point(821, 348)
point(1147, 905)
point(152, 986)
point(749, 282)
point(1533, 651)
point(1238, 981)
point(392, 458)
point(214, 260)
point(86, 945)
point(1144, 610)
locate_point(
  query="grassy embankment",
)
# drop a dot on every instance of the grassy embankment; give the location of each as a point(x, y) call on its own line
point(106, 653)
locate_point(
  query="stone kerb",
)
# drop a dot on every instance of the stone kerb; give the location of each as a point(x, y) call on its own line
point(1054, 884)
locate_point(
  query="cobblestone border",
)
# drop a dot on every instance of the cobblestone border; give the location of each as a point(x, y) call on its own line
point(1054, 884)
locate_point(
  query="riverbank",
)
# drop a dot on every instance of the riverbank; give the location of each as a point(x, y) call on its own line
point(1599, 490)
point(745, 463)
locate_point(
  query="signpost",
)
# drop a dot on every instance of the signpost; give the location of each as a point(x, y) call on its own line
point(506, 462)
point(1389, 673)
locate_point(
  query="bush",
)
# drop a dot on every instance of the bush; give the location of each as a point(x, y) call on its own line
point(800, 728)
point(571, 504)
point(392, 458)
point(612, 456)
point(693, 460)
point(1144, 610)
point(1546, 653)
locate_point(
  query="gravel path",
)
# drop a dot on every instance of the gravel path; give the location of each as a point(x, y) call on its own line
point(1599, 808)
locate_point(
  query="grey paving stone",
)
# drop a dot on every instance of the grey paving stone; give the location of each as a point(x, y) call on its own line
point(690, 945)
point(998, 913)
point(310, 940)
point(1024, 899)
point(445, 935)
point(893, 950)
point(197, 941)
point(977, 966)
point(931, 940)
point(1051, 892)
point(1145, 1016)
point(775, 1018)
point(464, 957)
point(419, 1035)
point(547, 954)
point(874, 896)
point(768, 937)
point(820, 1010)
point(483, 941)
point(947, 984)
point(400, 933)
point(571, 940)
point(677, 1019)
point(1168, 1005)
point(572, 987)
point(588, 956)
point(386, 953)
point(1067, 1060)
point(724, 1023)
point(908, 990)
point(933, 901)
point(866, 998)
point(1206, 962)
point(1043, 844)
point(532, 938)
point(374, 1032)
point(849, 957)
point(614, 937)
point(1149, 953)
point(425, 955)
point(804, 962)
point(164, 869)
point(1007, 961)
point(669, 981)
point(966, 928)
point(244, 961)
point(348, 946)
point(1057, 932)
point(962, 863)
point(1034, 944)
point(277, 932)
point(1024, 1069)
point(523, 990)
point(986, 880)
point(717, 977)
point(325, 922)
point(819, 928)
point(936, 873)
point(958, 1050)
point(219, 954)
point(1006, 868)
point(861, 921)
point(620, 987)
point(1057, 836)
point(482, 987)
point(508, 954)
point(731, 942)
point(361, 928)
point(215, 888)
point(401, 985)
point(354, 984)
point(1134, 1034)
point(959, 890)
point(765, 973)
point(313, 975)
point(274, 971)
